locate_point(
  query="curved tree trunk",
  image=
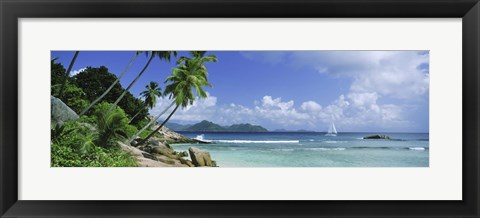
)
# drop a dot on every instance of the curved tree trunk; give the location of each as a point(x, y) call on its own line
point(135, 115)
point(131, 84)
point(160, 127)
point(149, 123)
point(109, 88)
point(60, 92)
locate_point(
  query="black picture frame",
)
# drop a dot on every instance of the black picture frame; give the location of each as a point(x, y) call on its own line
point(12, 10)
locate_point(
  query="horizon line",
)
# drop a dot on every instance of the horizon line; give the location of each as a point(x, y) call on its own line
point(373, 132)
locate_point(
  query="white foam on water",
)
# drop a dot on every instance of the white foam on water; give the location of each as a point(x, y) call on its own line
point(417, 148)
point(324, 149)
point(257, 141)
point(202, 138)
point(285, 149)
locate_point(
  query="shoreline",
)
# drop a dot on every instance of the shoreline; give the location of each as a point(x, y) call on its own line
point(158, 153)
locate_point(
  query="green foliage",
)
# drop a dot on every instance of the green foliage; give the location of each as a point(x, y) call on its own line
point(78, 137)
point(162, 55)
point(73, 95)
point(145, 133)
point(141, 123)
point(57, 133)
point(65, 156)
point(111, 126)
point(73, 146)
point(57, 73)
point(130, 130)
point(190, 74)
point(95, 81)
point(151, 93)
point(88, 119)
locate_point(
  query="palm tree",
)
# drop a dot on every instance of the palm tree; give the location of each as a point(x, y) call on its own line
point(110, 126)
point(67, 73)
point(150, 123)
point(150, 95)
point(162, 55)
point(191, 74)
point(109, 88)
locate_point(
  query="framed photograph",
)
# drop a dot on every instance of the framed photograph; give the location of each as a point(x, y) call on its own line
point(239, 108)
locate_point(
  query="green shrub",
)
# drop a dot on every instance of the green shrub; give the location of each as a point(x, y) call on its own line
point(141, 123)
point(72, 134)
point(73, 146)
point(88, 119)
point(145, 133)
point(111, 126)
point(130, 130)
point(73, 96)
point(65, 156)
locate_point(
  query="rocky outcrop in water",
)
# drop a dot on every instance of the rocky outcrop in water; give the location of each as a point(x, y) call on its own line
point(377, 137)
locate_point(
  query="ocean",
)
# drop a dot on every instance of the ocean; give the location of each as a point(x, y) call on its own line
point(313, 149)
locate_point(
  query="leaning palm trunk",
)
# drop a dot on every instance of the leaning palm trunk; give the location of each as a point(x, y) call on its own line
point(60, 92)
point(131, 84)
point(109, 88)
point(131, 120)
point(160, 127)
point(149, 123)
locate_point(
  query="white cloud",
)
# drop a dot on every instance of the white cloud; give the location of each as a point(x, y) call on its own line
point(350, 113)
point(75, 72)
point(397, 74)
point(201, 109)
point(311, 106)
point(280, 112)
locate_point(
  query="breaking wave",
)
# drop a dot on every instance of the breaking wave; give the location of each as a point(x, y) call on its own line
point(257, 141)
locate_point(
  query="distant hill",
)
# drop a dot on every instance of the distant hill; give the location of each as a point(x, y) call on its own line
point(246, 127)
point(176, 126)
point(207, 126)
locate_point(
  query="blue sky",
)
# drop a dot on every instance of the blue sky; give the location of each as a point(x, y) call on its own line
point(362, 91)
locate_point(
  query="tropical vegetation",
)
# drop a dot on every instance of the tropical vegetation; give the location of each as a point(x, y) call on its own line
point(109, 113)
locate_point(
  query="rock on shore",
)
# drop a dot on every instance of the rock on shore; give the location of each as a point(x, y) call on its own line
point(201, 158)
point(159, 154)
point(171, 137)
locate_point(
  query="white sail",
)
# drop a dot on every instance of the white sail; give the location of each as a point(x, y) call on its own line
point(332, 131)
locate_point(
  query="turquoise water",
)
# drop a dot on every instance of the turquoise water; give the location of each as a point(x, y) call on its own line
point(313, 149)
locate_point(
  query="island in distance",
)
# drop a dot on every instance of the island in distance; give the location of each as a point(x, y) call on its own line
point(207, 126)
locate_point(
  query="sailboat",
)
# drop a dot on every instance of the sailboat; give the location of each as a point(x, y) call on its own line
point(332, 131)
